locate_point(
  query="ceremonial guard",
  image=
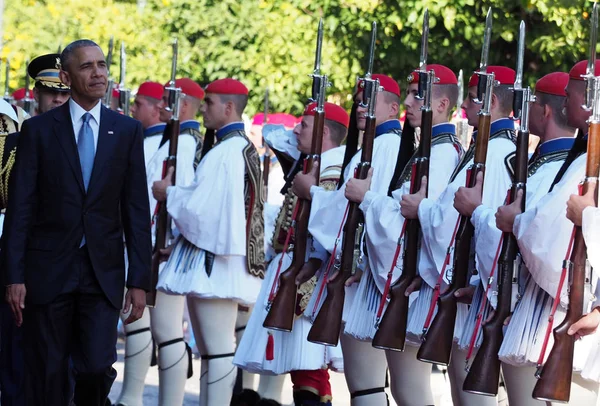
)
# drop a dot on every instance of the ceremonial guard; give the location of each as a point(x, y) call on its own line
point(543, 233)
point(364, 366)
point(49, 92)
point(219, 259)
point(269, 351)
point(165, 318)
point(410, 383)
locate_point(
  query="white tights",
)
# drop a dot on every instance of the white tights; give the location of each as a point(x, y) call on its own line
point(410, 379)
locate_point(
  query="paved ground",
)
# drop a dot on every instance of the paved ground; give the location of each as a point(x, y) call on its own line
point(341, 397)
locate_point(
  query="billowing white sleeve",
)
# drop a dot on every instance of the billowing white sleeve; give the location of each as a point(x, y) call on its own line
point(591, 235)
point(210, 212)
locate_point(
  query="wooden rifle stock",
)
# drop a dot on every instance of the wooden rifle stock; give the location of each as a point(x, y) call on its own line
point(437, 345)
point(328, 323)
point(554, 383)
point(163, 221)
point(391, 333)
point(281, 313)
point(484, 375)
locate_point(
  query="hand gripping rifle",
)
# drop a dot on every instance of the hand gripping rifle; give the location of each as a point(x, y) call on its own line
point(391, 331)
point(107, 99)
point(437, 344)
point(28, 101)
point(281, 313)
point(124, 92)
point(267, 154)
point(484, 374)
point(7, 97)
point(163, 222)
point(327, 325)
point(554, 382)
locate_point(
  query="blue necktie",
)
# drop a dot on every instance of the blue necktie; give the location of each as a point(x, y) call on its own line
point(87, 151)
point(86, 148)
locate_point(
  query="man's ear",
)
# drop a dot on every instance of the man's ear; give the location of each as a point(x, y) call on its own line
point(64, 77)
point(36, 94)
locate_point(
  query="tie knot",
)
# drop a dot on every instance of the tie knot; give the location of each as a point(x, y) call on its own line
point(86, 118)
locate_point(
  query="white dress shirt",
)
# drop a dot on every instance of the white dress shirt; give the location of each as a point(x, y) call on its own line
point(77, 113)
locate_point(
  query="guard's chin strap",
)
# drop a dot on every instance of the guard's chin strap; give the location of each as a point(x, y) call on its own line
point(188, 350)
point(367, 392)
point(151, 342)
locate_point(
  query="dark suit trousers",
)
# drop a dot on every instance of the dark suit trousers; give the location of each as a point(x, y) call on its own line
point(80, 324)
point(12, 368)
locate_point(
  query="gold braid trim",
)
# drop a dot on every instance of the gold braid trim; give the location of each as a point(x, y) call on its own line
point(5, 171)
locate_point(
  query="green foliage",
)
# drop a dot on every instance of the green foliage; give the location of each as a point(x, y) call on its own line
point(270, 43)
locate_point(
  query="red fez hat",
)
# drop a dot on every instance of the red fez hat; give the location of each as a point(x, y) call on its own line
point(190, 88)
point(553, 83)
point(227, 86)
point(504, 75)
point(333, 112)
point(444, 75)
point(19, 94)
point(580, 68)
point(388, 84)
point(285, 119)
point(115, 93)
point(151, 89)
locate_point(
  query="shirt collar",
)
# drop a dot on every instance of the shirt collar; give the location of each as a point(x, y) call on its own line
point(189, 124)
point(235, 126)
point(443, 128)
point(156, 129)
point(77, 111)
point(387, 126)
point(555, 145)
point(499, 125)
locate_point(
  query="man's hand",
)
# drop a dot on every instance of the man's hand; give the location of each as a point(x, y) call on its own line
point(309, 269)
point(414, 286)
point(577, 204)
point(304, 181)
point(467, 199)
point(465, 295)
point(15, 296)
point(409, 205)
point(135, 300)
point(159, 188)
point(585, 325)
point(357, 188)
point(505, 216)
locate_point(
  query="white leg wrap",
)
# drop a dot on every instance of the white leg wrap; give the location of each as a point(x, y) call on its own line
point(213, 321)
point(271, 386)
point(243, 315)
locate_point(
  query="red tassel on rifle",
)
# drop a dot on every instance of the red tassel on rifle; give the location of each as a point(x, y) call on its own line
point(270, 348)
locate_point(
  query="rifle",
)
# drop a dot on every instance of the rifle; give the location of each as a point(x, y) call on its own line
point(267, 155)
point(462, 124)
point(327, 325)
point(554, 382)
point(281, 312)
point(391, 331)
point(124, 92)
point(28, 101)
point(107, 100)
point(437, 349)
point(484, 375)
point(7, 97)
point(163, 222)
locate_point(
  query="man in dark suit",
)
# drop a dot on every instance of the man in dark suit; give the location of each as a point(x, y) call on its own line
point(78, 185)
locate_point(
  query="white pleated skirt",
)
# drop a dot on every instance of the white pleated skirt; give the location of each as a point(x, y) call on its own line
point(185, 274)
point(362, 311)
point(464, 340)
point(292, 351)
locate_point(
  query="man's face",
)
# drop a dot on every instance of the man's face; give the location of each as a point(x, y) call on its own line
point(214, 111)
point(164, 114)
point(382, 110)
point(87, 73)
point(536, 118)
point(145, 111)
point(471, 108)
point(47, 99)
point(413, 105)
point(576, 115)
point(304, 132)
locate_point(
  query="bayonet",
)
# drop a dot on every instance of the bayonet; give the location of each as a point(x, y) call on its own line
point(109, 57)
point(519, 92)
point(107, 100)
point(461, 90)
point(266, 106)
point(590, 72)
point(28, 101)
point(423, 59)
point(122, 66)
point(369, 88)
point(174, 92)
point(316, 75)
point(483, 64)
point(372, 49)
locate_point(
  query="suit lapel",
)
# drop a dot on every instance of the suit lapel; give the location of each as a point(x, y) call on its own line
point(107, 139)
point(63, 130)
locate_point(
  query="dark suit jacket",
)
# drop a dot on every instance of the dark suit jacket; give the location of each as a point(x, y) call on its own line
point(49, 209)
